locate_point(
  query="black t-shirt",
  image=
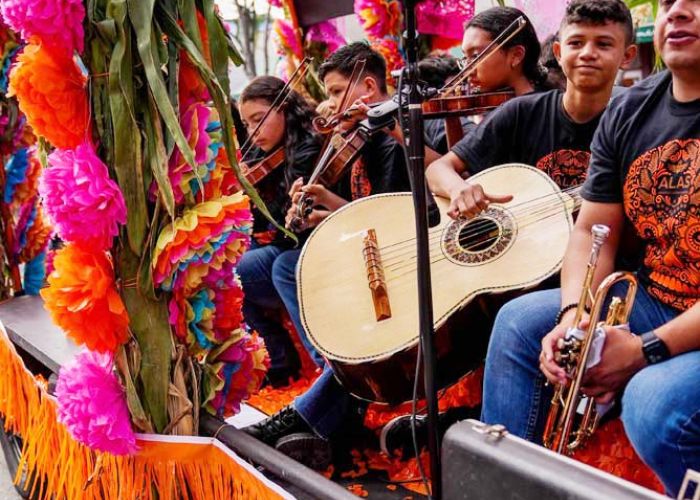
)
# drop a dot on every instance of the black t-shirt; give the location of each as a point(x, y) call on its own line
point(532, 129)
point(436, 136)
point(274, 189)
point(646, 155)
point(383, 169)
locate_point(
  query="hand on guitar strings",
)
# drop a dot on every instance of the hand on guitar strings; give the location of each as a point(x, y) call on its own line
point(469, 200)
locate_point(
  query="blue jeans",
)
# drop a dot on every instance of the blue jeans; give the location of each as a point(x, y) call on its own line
point(285, 282)
point(262, 303)
point(326, 405)
point(660, 405)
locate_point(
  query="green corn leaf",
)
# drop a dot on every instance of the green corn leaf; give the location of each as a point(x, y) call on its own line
point(148, 320)
point(141, 15)
point(221, 102)
point(128, 160)
point(157, 155)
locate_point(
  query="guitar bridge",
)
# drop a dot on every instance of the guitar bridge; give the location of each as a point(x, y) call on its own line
point(375, 276)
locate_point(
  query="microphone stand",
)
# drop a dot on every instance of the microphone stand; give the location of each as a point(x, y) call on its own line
point(414, 144)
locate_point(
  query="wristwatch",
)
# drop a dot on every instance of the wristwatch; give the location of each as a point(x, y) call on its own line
point(654, 349)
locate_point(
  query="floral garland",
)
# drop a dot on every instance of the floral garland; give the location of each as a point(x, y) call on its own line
point(27, 232)
point(381, 21)
point(200, 235)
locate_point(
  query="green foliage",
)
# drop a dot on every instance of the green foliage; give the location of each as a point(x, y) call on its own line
point(132, 53)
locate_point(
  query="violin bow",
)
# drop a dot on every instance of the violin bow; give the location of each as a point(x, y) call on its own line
point(323, 125)
point(280, 99)
point(504, 37)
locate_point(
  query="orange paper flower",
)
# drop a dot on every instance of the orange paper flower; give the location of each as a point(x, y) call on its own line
point(51, 93)
point(83, 300)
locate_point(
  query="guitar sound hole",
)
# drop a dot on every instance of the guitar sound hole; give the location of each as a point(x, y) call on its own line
point(476, 241)
point(479, 234)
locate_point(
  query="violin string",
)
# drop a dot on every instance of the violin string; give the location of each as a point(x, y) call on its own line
point(477, 224)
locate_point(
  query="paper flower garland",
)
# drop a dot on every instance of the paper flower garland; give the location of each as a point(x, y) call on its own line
point(83, 301)
point(202, 127)
point(233, 374)
point(203, 245)
point(92, 404)
point(325, 32)
point(379, 18)
point(51, 93)
point(287, 40)
point(389, 50)
point(84, 204)
point(56, 23)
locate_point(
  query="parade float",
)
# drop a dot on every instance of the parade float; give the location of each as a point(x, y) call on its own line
point(116, 114)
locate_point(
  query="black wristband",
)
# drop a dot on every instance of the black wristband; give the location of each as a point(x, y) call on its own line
point(563, 311)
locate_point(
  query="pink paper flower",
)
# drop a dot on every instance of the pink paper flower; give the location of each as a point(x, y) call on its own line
point(379, 18)
point(92, 404)
point(326, 32)
point(83, 202)
point(287, 41)
point(58, 23)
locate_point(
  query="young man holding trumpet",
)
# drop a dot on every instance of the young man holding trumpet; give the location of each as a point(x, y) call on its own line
point(644, 171)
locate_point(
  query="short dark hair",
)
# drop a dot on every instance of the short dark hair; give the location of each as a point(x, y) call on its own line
point(495, 20)
point(343, 61)
point(436, 70)
point(599, 12)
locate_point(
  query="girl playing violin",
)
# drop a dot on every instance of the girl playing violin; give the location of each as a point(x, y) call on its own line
point(515, 65)
point(287, 127)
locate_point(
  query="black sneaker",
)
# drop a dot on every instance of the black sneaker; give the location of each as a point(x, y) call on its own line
point(307, 449)
point(397, 435)
point(284, 422)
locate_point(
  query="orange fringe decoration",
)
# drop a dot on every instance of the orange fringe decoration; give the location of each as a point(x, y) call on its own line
point(164, 468)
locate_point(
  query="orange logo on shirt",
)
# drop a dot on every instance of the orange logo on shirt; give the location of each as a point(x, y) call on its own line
point(566, 167)
point(662, 199)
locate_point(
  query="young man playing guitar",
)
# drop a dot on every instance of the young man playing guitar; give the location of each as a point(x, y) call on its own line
point(645, 170)
point(550, 130)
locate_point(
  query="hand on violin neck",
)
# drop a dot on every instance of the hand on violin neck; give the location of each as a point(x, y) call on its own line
point(354, 113)
point(469, 200)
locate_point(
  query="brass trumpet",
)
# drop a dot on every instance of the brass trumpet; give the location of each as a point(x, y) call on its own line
point(574, 353)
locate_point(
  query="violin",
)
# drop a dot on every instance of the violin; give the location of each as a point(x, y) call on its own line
point(465, 105)
point(341, 152)
point(264, 167)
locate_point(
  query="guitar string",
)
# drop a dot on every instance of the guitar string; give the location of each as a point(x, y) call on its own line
point(513, 209)
point(411, 269)
point(475, 228)
point(542, 215)
point(484, 226)
point(414, 268)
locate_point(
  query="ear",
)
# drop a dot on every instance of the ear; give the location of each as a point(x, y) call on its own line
point(371, 86)
point(556, 50)
point(517, 55)
point(629, 55)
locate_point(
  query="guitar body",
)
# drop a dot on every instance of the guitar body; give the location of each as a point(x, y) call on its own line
point(509, 247)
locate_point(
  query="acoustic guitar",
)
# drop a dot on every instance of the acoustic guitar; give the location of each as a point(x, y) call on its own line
point(356, 277)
